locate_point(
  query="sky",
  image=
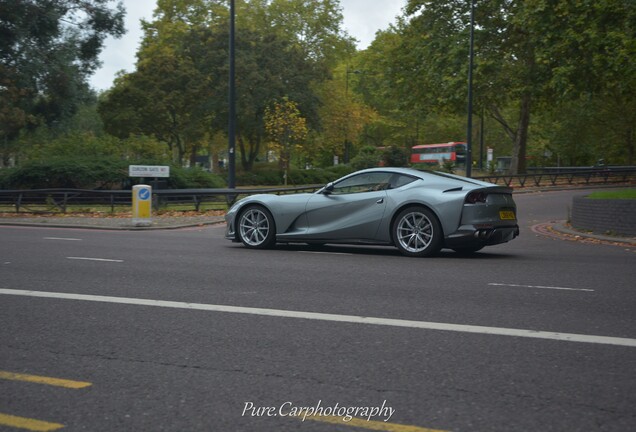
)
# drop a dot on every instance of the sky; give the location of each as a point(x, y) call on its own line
point(361, 19)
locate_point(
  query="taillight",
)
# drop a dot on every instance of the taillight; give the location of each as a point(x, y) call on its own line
point(476, 197)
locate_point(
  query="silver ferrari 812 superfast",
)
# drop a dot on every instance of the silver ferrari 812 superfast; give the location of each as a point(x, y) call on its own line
point(419, 212)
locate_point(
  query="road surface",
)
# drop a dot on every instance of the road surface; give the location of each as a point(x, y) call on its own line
point(184, 331)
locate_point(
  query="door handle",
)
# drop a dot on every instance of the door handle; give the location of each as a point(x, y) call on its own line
point(380, 201)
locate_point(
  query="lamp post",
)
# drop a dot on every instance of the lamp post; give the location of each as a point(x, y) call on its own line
point(480, 164)
point(469, 126)
point(231, 176)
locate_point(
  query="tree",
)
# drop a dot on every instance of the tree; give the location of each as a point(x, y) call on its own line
point(343, 115)
point(527, 54)
point(167, 96)
point(315, 26)
point(180, 84)
point(592, 64)
point(165, 99)
point(435, 53)
point(47, 51)
point(286, 128)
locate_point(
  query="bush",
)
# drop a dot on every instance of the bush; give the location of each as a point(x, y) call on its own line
point(261, 175)
point(4, 177)
point(272, 175)
point(75, 173)
point(193, 178)
point(395, 157)
point(97, 173)
point(112, 173)
point(337, 171)
point(367, 157)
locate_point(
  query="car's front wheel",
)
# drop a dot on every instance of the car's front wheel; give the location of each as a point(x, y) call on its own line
point(256, 228)
point(417, 232)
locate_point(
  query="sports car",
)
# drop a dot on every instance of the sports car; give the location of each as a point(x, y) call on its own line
point(419, 212)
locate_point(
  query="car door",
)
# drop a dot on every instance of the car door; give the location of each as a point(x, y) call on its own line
point(352, 209)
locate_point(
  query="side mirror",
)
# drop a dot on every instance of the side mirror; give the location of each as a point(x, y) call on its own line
point(328, 189)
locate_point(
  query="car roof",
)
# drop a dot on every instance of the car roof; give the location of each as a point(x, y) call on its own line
point(424, 175)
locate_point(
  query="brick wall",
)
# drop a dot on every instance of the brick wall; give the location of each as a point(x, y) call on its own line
point(604, 215)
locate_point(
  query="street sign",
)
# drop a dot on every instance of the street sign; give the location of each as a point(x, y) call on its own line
point(142, 205)
point(148, 171)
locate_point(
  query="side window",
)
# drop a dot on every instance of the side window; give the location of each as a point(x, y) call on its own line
point(365, 182)
point(399, 180)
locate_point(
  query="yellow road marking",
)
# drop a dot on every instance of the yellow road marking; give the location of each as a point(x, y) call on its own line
point(371, 425)
point(28, 424)
point(44, 380)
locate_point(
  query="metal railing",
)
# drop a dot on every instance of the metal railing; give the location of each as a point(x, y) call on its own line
point(60, 200)
point(565, 176)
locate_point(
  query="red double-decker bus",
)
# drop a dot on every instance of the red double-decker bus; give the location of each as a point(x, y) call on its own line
point(436, 154)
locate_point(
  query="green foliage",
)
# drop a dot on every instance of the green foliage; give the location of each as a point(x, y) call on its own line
point(448, 166)
point(395, 156)
point(47, 51)
point(67, 172)
point(530, 57)
point(4, 176)
point(96, 173)
point(193, 178)
point(272, 175)
point(178, 94)
point(627, 194)
point(313, 25)
point(286, 128)
point(47, 143)
point(556, 81)
point(367, 157)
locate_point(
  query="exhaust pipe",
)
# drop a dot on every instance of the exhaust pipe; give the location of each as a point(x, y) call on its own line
point(483, 234)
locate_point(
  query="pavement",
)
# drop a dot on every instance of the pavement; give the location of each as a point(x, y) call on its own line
point(103, 222)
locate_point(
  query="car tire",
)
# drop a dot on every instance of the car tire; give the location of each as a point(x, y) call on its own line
point(256, 228)
point(417, 232)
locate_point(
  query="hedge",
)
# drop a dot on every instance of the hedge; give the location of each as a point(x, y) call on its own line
point(96, 173)
point(112, 173)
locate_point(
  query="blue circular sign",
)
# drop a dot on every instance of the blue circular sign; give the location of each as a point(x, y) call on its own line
point(144, 194)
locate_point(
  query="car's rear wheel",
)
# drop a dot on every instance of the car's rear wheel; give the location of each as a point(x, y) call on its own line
point(417, 232)
point(256, 228)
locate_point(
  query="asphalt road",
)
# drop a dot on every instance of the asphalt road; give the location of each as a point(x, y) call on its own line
point(185, 331)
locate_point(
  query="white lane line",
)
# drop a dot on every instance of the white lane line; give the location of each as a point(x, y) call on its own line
point(498, 331)
point(540, 287)
point(62, 238)
point(95, 259)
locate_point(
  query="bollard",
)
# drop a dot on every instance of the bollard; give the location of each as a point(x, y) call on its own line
point(141, 205)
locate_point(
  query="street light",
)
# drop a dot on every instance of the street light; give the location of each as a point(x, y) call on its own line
point(469, 126)
point(231, 176)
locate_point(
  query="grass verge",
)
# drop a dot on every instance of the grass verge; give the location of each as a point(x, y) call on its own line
point(623, 194)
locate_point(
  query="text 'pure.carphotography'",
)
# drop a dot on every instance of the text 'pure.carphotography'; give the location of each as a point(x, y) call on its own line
point(346, 413)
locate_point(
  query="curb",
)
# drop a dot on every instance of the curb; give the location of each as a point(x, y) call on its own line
point(545, 189)
point(100, 224)
point(562, 228)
